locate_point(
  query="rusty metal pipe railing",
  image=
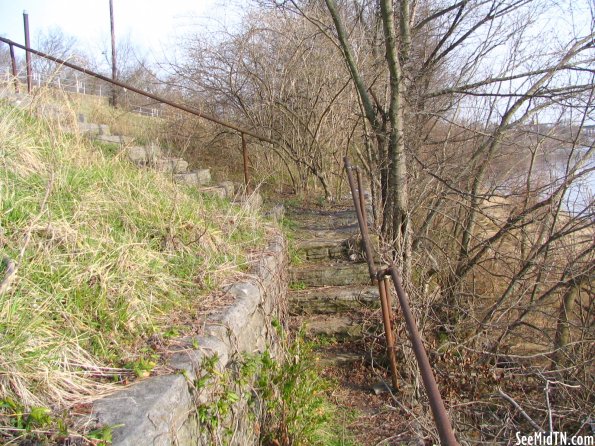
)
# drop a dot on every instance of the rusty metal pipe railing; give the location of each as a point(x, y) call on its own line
point(441, 419)
point(13, 63)
point(245, 158)
point(129, 87)
point(388, 330)
point(362, 198)
point(155, 97)
point(360, 219)
point(360, 204)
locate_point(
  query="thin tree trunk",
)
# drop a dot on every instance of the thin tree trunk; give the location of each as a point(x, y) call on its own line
point(397, 209)
point(563, 325)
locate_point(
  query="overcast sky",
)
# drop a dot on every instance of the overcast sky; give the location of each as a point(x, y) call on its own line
point(151, 24)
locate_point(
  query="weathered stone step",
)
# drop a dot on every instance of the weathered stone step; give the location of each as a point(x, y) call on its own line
point(329, 274)
point(341, 326)
point(91, 129)
point(173, 165)
point(339, 359)
point(143, 155)
point(225, 189)
point(318, 245)
point(114, 139)
point(332, 300)
point(198, 177)
point(254, 199)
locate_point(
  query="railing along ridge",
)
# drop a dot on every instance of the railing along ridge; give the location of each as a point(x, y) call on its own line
point(242, 131)
point(381, 277)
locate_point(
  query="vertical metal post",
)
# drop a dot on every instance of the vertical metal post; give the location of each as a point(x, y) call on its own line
point(359, 203)
point(362, 199)
point(245, 157)
point(447, 437)
point(388, 330)
point(362, 223)
point(13, 62)
point(27, 53)
point(114, 68)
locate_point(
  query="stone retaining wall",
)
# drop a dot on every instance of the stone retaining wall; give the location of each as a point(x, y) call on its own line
point(162, 410)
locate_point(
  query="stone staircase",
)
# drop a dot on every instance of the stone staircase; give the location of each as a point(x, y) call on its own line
point(148, 156)
point(154, 157)
point(331, 289)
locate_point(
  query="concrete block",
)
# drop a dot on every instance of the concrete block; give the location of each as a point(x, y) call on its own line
point(114, 139)
point(171, 165)
point(88, 128)
point(228, 186)
point(195, 178)
point(204, 176)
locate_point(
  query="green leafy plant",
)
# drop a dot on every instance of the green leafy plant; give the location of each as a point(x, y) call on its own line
point(297, 286)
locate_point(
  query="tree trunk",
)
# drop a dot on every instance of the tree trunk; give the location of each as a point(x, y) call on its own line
point(563, 326)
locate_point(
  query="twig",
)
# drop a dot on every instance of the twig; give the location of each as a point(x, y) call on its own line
point(520, 409)
point(549, 407)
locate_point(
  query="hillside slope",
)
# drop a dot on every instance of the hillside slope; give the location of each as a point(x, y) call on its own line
point(101, 262)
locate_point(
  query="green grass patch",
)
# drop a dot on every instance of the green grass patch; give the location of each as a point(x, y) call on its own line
point(105, 254)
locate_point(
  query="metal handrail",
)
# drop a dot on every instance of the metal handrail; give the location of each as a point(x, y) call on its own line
point(441, 419)
point(191, 110)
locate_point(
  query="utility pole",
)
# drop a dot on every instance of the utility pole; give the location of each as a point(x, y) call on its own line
point(114, 69)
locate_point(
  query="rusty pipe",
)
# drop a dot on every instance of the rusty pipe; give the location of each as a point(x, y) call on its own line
point(359, 203)
point(141, 92)
point(13, 63)
point(447, 437)
point(360, 189)
point(245, 159)
point(360, 219)
point(388, 330)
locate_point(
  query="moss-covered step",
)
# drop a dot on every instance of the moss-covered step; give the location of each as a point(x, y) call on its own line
point(338, 326)
point(332, 300)
point(319, 274)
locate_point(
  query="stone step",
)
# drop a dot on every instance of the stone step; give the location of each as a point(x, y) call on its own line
point(329, 274)
point(114, 139)
point(143, 155)
point(332, 300)
point(339, 359)
point(91, 129)
point(173, 165)
point(253, 199)
point(199, 177)
point(340, 326)
point(323, 245)
point(225, 189)
point(319, 245)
